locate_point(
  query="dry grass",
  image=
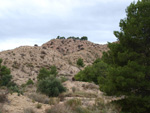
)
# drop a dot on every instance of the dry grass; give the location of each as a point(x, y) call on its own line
point(38, 106)
point(90, 86)
point(75, 106)
point(59, 108)
point(3, 95)
point(39, 98)
point(54, 100)
point(29, 110)
point(77, 94)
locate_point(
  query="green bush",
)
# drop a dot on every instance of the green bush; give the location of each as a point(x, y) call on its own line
point(92, 73)
point(29, 82)
point(80, 62)
point(84, 38)
point(51, 86)
point(5, 77)
point(44, 73)
point(53, 70)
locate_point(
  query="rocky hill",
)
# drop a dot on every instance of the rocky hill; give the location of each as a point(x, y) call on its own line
point(26, 61)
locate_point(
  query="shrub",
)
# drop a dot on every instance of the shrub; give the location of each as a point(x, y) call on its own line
point(53, 70)
point(29, 82)
point(63, 79)
point(5, 77)
point(84, 38)
point(92, 73)
point(44, 73)
point(51, 86)
point(5, 80)
point(80, 62)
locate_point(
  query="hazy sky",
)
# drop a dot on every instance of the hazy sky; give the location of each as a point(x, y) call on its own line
point(29, 22)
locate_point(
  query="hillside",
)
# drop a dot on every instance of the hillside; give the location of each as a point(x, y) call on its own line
point(26, 61)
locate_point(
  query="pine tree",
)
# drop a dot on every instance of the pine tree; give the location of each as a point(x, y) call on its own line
point(129, 60)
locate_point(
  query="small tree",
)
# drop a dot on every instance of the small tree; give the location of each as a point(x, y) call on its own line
point(51, 86)
point(80, 62)
point(84, 38)
point(62, 37)
point(48, 83)
point(58, 37)
point(5, 77)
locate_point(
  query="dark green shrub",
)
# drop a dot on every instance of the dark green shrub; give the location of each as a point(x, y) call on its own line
point(80, 62)
point(15, 88)
point(44, 73)
point(92, 73)
point(5, 80)
point(63, 79)
point(84, 38)
point(5, 77)
point(53, 70)
point(29, 82)
point(51, 86)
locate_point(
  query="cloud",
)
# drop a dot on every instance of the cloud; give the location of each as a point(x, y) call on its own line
point(46, 19)
point(12, 43)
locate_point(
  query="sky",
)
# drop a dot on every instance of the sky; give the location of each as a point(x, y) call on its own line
point(29, 22)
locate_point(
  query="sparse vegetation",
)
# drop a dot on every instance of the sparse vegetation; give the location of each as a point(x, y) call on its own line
point(29, 82)
point(72, 37)
point(38, 106)
point(39, 98)
point(75, 106)
point(29, 110)
point(63, 79)
point(54, 100)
